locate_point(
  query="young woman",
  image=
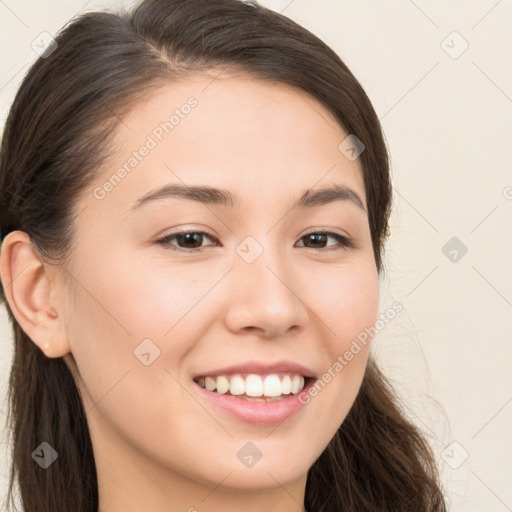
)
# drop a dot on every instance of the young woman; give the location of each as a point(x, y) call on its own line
point(195, 197)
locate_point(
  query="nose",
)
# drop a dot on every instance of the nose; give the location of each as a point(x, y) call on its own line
point(265, 297)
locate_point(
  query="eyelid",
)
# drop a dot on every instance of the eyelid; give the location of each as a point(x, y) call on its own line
point(327, 231)
point(162, 240)
point(347, 242)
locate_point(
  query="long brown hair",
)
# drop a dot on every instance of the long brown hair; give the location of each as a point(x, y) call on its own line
point(56, 137)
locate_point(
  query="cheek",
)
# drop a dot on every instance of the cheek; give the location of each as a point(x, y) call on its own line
point(155, 299)
point(129, 312)
point(132, 300)
point(348, 303)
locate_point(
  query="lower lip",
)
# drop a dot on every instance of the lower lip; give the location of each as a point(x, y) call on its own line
point(257, 413)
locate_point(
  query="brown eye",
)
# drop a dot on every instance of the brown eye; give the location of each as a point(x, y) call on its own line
point(318, 240)
point(186, 240)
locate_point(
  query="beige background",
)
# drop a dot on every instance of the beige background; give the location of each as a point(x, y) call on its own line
point(447, 115)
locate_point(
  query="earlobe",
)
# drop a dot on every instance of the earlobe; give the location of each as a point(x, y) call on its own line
point(27, 285)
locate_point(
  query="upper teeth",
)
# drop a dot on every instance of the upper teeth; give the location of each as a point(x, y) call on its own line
point(254, 385)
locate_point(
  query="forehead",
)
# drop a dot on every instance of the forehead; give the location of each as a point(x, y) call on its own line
point(239, 133)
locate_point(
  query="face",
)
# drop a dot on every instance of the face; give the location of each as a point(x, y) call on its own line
point(198, 316)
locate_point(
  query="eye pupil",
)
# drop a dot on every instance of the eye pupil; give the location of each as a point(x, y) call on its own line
point(316, 237)
point(188, 237)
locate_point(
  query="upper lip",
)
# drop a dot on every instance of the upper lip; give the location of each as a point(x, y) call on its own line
point(261, 368)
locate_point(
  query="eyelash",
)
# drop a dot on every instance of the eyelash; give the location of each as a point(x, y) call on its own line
point(345, 242)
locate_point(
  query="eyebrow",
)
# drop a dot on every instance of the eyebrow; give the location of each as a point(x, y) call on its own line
point(216, 196)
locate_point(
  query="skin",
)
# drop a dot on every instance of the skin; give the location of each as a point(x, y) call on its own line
point(158, 445)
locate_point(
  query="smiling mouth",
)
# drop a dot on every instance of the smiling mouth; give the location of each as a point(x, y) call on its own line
point(255, 387)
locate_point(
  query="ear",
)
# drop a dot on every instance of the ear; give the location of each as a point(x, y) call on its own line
point(32, 294)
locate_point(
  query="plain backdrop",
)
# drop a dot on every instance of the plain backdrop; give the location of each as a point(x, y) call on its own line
point(440, 79)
